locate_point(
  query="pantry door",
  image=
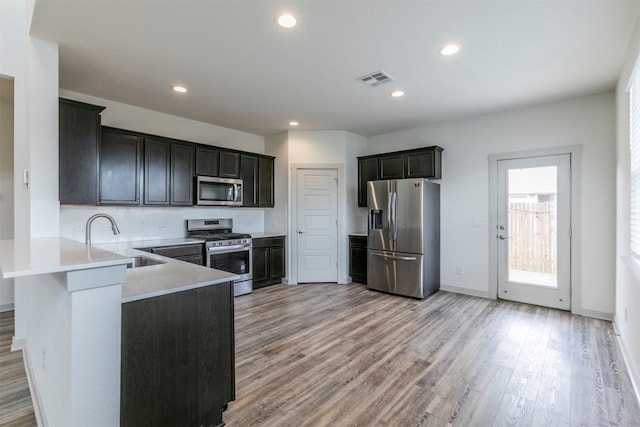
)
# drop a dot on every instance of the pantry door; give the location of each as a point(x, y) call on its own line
point(317, 225)
point(534, 230)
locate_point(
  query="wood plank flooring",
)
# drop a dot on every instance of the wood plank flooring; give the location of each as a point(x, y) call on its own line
point(16, 408)
point(340, 355)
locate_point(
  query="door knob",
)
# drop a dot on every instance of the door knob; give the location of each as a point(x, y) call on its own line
point(300, 232)
point(502, 237)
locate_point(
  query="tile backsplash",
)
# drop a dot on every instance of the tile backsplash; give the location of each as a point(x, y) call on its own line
point(148, 223)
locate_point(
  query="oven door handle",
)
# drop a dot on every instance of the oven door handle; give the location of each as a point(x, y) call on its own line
point(222, 249)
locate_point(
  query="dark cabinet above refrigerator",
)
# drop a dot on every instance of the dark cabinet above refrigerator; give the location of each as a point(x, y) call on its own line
point(418, 163)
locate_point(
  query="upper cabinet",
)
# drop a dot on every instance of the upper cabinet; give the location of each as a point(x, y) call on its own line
point(79, 142)
point(419, 163)
point(207, 161)
point(101, 165)
point(120, 168)
point(229, 164)
point(256, 172)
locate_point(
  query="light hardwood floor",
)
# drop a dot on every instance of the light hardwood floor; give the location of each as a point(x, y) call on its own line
point(340, 355)
point(15, 401)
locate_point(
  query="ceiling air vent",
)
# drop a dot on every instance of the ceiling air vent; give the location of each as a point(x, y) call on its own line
point(375, 79)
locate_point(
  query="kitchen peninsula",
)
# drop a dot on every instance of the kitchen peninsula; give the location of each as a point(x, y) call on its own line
point(77, 307)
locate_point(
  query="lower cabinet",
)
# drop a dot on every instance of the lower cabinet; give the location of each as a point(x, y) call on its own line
point(192, 253)
point(178, 360)
point(358, 258)
point(268, 261)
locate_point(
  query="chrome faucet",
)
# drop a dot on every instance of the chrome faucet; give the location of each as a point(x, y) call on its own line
point(114, 226)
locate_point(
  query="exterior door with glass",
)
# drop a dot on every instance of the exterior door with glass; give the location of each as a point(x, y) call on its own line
point(534, 230)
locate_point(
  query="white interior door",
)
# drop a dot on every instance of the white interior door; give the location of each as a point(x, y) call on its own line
point(534, 230)
point(317, 220)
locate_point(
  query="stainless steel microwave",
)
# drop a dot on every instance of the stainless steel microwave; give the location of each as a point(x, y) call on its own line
point(211, 191)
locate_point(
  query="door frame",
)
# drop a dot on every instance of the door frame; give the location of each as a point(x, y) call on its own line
point(575, 151)
point(293, 214)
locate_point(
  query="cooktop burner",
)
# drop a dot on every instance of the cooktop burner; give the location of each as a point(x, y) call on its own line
point(213, 229)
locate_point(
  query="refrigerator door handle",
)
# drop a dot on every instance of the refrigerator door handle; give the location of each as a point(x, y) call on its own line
point(395, 216)
point(401, 258)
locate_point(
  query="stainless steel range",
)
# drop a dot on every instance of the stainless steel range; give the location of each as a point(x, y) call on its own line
point(225, 250)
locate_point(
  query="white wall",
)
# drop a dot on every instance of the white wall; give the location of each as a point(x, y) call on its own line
point(134, 118)
point(6, 184)
point(330, 149)
point(587, 121)
point(627, 303)
point(277, 219)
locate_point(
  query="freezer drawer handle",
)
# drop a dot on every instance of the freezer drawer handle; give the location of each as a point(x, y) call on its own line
point(402, 258)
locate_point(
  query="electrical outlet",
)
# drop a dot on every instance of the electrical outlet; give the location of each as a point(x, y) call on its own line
point(460, 269)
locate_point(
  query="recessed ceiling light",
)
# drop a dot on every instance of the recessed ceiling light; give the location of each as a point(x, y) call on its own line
point(450, 49)
point(397, 93)
point(178, 88)
point(294, 123)
point(286, 21)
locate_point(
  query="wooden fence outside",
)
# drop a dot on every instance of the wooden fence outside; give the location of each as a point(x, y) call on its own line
point(533, 237)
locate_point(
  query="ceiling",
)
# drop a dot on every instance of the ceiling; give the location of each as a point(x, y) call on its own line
point(245, 72)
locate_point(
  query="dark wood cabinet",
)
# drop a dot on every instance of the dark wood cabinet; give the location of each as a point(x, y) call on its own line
point(418, 163)
point(178, 358)
point(102, 165)
point(229, 164)
point(358, 258)
point(249, 176)
point(367, 171)
point(193, 253)
point(423, 164)
point(268, 261)
point(265, 182)
point(391, 166)
point(207, 161)
point(157, 166)
point(256, 173)
point(181, 176)
point(120, 168)
point(79, 143)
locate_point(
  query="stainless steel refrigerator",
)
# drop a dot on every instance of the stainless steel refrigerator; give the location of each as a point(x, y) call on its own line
point(403, 244)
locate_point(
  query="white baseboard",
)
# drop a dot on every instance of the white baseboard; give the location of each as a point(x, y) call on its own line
point(603, 315)
point(6, 307)
point(17, 344)
point(634, 375)
point(465, 291)
point(36, 399)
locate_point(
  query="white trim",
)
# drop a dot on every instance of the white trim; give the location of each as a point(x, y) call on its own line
point(293, 241)
point(6, 307)
point(634, 375)
point(36, 399)
point(465, 291)
point(576, 220)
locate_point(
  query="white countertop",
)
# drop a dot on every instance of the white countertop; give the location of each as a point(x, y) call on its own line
point(21, 258)
point(161, 279)
point(267, 234)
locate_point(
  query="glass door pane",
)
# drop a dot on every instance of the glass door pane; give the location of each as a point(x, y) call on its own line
point(533, 225)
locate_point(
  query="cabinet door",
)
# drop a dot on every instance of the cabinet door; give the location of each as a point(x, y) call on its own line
point(423, 164)
point(181, 175)
point(249, 176)
point(120, 168)
point(229, 164)
point(260, 267)
point(265, 182)
point(79, 137)
point(358, 264)
point(391, 166)
point(276, 263)
point(367, 171)
point(207, 161)
point(156, 172)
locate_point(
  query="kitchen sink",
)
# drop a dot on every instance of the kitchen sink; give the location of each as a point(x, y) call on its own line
point(143, 261)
